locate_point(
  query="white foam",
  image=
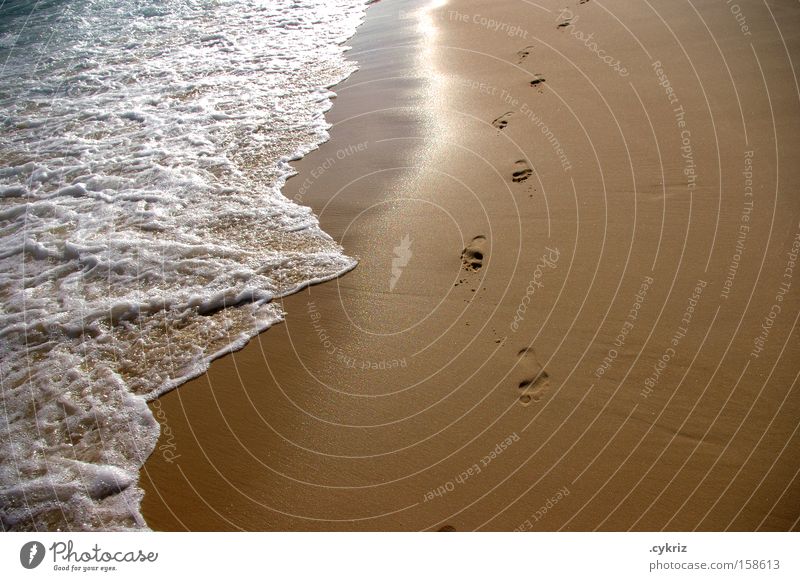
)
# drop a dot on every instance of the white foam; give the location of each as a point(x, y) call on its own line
point(142, 228)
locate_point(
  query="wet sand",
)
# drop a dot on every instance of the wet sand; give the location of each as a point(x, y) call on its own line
point(576, 304)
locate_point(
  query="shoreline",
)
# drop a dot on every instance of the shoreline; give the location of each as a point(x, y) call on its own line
point(451, 380)
point(307, 187)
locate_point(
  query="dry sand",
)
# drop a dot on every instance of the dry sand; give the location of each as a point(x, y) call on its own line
point(575, 307)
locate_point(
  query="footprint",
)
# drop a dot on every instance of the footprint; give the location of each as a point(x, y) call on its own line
point(501, 122)
point(522, 171)
point(474, 254)
point(523, 54)
point(535, 380)
point(537, 81)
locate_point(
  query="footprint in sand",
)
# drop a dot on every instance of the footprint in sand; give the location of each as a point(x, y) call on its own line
point(534, 382)
point(522, 171)
point(474, 254)
point(537, 81)
point(501, 122)
point(523, 54)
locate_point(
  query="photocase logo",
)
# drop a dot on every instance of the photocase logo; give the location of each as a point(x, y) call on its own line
point(402, 253)
point(31, 554)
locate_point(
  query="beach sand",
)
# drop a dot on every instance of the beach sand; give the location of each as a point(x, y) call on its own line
point(576, 302)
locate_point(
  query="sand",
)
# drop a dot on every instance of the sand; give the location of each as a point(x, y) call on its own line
point(577, 300)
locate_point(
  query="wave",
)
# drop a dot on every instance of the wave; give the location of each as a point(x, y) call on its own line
point(143, 231)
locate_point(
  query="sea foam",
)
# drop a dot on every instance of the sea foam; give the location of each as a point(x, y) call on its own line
point(143, 148)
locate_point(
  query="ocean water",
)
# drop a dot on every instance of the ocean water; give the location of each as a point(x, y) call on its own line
point(143, 147)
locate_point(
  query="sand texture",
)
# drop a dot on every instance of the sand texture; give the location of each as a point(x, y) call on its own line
point(577, 295)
